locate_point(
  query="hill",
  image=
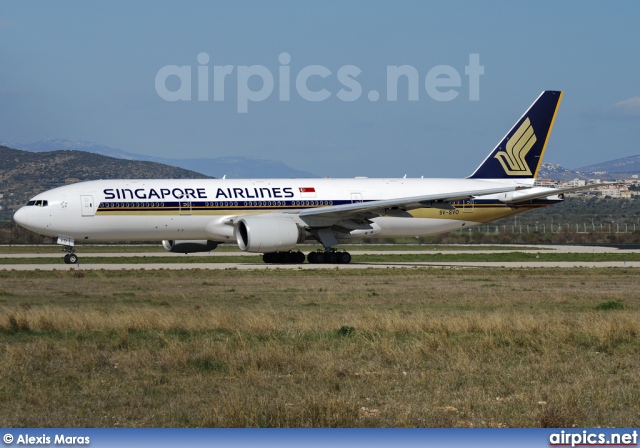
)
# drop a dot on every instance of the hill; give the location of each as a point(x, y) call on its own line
point(626, 165)
point(24, 174)
point(612, 170)
point(232, 167)
point(557, 172)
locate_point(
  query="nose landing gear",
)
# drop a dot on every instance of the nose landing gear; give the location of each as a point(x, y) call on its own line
point(70, 257)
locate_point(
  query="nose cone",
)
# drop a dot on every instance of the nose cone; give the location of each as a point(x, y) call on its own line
point(20, 216)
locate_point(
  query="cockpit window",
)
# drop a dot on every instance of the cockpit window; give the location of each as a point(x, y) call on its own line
point(38, 203)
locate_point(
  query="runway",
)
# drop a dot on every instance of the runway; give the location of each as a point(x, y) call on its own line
point(256, 266)
point(353, 265)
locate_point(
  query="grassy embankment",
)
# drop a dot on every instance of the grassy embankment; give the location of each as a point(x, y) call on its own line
point(408, 347)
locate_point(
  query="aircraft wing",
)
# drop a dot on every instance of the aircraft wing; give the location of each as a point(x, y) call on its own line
point(371, 209)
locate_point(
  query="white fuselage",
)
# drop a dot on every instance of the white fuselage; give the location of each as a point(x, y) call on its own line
point(174, 209)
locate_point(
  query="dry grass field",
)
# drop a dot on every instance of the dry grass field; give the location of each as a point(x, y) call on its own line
point(339, 348)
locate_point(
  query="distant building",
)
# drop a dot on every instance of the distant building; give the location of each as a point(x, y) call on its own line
point(625, 194)
point(615, 191)
point(550, 183)
point(623, 189)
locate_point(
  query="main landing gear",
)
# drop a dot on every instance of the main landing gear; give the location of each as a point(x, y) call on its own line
point(70, 256)
point(284, 257)
point(330, 256)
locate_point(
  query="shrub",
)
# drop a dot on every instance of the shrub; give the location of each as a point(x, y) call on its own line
point(610, 305)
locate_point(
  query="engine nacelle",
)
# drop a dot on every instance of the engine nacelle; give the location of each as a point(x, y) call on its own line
point(188, 246)
point(263, 233)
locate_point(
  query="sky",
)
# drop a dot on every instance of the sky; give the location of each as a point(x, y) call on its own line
point(312, 83)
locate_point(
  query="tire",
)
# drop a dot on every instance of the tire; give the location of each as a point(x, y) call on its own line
point(312, 257)
point(344, 258)
point(321, 257)
point(73, 258)
point(66, 259)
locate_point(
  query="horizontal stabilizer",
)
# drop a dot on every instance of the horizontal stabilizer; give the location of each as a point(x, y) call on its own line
point(515, 197)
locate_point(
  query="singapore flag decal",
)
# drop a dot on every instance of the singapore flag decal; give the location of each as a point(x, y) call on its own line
point(307, 192)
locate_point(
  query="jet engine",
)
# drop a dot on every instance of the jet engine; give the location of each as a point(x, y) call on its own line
point(268, 233)
point(189, 246)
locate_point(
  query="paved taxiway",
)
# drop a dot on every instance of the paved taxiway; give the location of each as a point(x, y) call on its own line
point(249, 266)
point(354, 265)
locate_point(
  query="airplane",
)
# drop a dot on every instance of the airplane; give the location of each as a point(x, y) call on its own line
point(273, 216)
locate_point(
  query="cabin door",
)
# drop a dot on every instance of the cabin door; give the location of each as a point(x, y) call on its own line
point(86, 202)
point(185, 207)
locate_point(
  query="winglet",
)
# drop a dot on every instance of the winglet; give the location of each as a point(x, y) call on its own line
point(519, 154)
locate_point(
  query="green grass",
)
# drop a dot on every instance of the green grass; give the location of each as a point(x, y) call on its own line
point(610, 305)
point(499, 257)
point(88, 259)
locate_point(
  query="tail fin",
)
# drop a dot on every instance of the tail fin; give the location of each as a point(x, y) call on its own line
point(519, 154)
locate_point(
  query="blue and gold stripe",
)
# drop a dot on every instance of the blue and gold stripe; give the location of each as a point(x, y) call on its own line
point(480, 210)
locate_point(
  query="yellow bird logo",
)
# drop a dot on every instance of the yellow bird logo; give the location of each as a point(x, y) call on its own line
point(513, 158)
